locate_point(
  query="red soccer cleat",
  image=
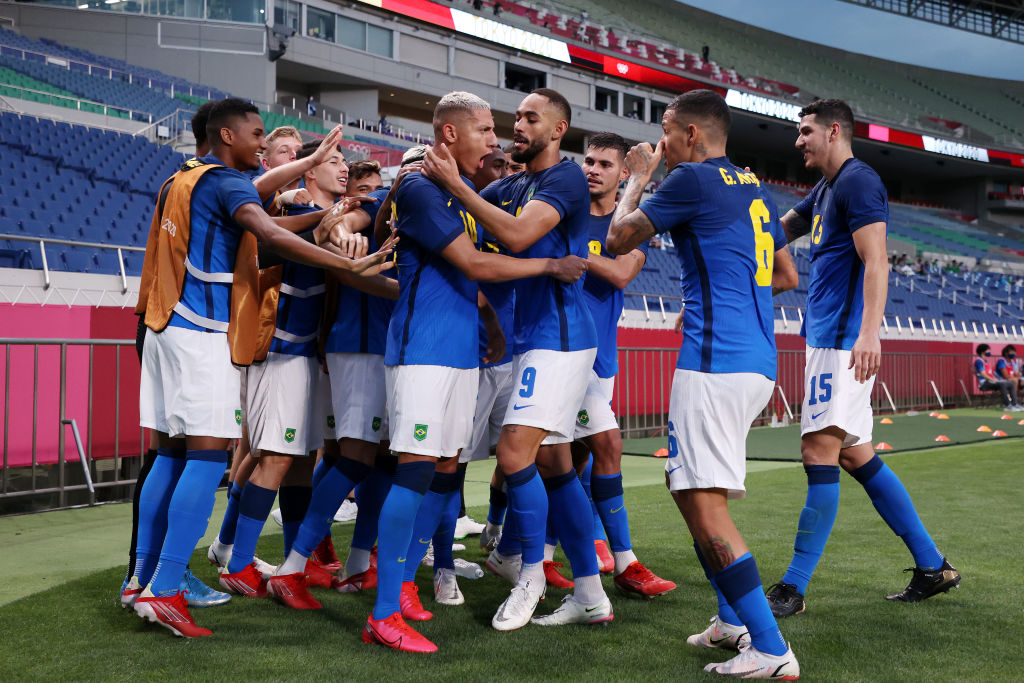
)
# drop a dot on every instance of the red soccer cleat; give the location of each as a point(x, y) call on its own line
point(318, 577)
point(131, 592)
point(325, 556)
point(291, 590)
point(412, 608)
point(358, 582)
point(639, 580)
point(554, 577)
point(171, 613)
point(393, 632)
point(605, 559)
point(248, 582)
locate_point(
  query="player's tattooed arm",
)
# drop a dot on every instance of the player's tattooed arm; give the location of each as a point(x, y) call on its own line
point(619, 272)
point(784, 273)
point(795, 225)
point(630, 226)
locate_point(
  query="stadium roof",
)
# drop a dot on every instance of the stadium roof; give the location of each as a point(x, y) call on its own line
point(1003, 19)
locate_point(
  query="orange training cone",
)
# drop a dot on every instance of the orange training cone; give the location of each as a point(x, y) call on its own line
point(983, 428)
point(942, 416)
point(661, 453)
point(883, 446)
point(1006, 416)
point(999, 432)
point(942, 437)
point(934, 413)
point(885, 421)
point(1021, 422)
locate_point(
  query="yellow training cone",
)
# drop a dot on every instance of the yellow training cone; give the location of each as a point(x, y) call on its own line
point(983, 428)
point(942, 437)
point(942, 416)
point(883, 446)
point(885, 421)
point(999, 432)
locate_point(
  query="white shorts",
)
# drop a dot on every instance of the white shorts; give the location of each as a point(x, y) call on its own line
point(595, 414)
point(188, 385)
point(709, 417)
point(430, 408)
point(548, 388)
point(836, 398)
point(282, 406)
point(492, 397)
point(358, 397)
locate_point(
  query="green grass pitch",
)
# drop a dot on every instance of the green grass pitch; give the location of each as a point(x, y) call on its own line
point(64, 569)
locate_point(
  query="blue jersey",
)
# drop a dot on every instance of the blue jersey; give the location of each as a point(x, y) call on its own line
point(726, 229)
point(836, 209)
point(981, 368)
point(605, 301)
point(502, 297)
point(550, 314)
point(300, 303)
point(361, 323)
point(212, 244)
point(435, 319)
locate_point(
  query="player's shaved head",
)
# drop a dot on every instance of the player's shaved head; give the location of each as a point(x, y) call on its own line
point(456, 107)
point(227, 113)
point(827, 112)
point(705, 109)
point(199, 121)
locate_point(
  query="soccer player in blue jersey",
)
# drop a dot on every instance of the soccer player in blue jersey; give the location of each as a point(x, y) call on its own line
point(189, 390)
point(733, 254)
point(597, 430)
point(846, 215)
point(542, 212)
point(431, 358)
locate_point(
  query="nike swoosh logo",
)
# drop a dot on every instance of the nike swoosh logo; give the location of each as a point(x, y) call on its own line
point(674, 469)
point(588, 610)
point(506, 203)
point(779, 669)
point(617, 509)
point(401, 559)
point(817, 415)
point(719, 641)
point(425, 541)
point(528, 405)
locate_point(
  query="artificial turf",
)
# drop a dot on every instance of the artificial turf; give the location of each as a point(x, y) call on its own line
point(967, 495)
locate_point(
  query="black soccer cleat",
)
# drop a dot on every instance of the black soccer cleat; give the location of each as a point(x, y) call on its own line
point(785, 601)
point(926, 584)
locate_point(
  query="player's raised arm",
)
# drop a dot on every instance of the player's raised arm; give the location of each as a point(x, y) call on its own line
point(866, 356)
point(630, 226)
point(282, 176)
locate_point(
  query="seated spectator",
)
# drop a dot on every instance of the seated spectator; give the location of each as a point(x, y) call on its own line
point(987, 381)
point(1008, 367)
point(918, 267)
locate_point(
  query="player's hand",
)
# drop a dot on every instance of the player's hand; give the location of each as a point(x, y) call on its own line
point(865, 358)
point(299, 196)
point(377, 262)
point(439, 165)
point(642, 161)
point(332, 229)
point(414, 167)
point(568, 268)
point(678, 325)
point(329, 143)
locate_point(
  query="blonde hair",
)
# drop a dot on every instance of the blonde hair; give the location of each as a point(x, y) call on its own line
point(281, 132)
point(456, 103)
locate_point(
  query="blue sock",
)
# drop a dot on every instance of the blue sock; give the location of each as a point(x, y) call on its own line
point(741, 584)
point(427, 519)
point(608, 498)
point(327, 497)
point(444, 536)
point(294, 506)
point(529, 502)
point(322, 468)
point(154, 499)
point(510, 544)
point(725, 612)
point(498, 503)
point(397, 516)
point(550, 535)
point(370, 495)
point(586, 478)
point(188, 515)
point(230, 521)
point(893, 503)
point(573, 522)
point(253, 510)
point(815, 525)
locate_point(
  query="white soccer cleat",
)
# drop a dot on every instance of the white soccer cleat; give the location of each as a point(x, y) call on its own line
point(446, 588)
point(468, 570)
point(219, 554)
point(265, 568)
point(428, 557)
point(347, 512)
point(275, 515)
point(505, 567)
point(573, 612)
point(721, 634)
point(467, 526)
point(752, 663)
point(519, 606)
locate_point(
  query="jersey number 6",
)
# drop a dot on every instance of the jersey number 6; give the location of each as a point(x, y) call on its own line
point(764, 243)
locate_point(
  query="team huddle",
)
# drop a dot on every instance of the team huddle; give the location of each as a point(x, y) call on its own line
point(406, 331)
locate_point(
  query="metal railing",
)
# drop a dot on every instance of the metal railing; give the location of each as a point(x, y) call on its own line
point(76, 102)
point(36, 463)
point(906, 381)
point(43, 241)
